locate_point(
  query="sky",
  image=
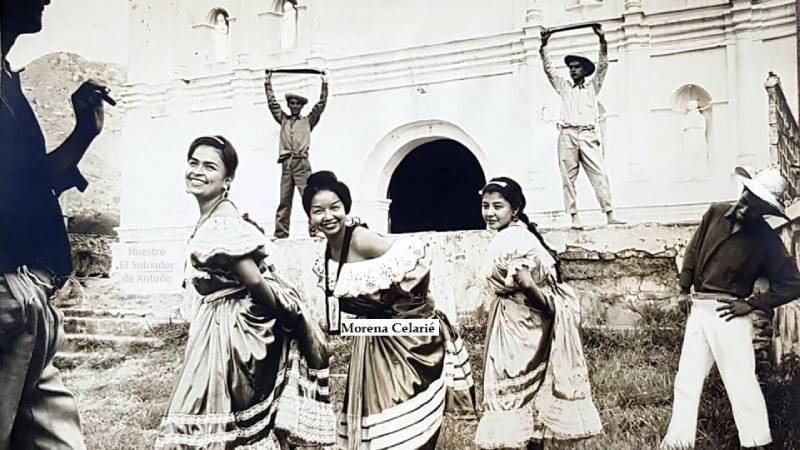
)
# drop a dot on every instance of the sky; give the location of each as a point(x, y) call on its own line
point(94, 29)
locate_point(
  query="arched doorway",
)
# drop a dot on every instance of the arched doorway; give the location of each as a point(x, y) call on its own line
point(435, 188)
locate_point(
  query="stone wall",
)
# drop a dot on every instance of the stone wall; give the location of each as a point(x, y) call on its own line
point(786, 333)
point(615, 270)
point(91, 254)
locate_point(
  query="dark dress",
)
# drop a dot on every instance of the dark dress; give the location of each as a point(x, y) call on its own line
point(398, 387)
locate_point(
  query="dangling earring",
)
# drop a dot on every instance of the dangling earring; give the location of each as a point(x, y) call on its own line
point(514, 217)
point(225, 192)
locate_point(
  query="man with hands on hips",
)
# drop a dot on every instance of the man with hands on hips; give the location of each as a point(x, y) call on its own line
point(732, 248)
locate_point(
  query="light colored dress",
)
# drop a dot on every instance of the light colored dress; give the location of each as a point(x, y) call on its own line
point(398, 387)
point(244, 384)
point(536, 384)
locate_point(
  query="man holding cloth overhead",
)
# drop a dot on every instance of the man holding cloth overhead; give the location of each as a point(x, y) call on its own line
point(295, 140)
point(579, 140)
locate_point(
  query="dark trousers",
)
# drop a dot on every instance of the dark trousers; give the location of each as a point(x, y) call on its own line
point(294, 173)
point(36, 410)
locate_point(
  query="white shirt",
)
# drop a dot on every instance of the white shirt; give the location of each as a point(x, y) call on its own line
point(578, 102)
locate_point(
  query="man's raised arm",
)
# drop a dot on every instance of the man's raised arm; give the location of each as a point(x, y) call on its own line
point(272, 103)
point(316, 111)
point(602, 63)
point(556, 81)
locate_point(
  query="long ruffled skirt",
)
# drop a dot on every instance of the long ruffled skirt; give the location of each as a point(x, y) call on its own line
point(399, 388)
point(520, 400)
point(244, 385)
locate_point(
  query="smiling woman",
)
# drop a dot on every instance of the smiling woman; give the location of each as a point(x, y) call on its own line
point(211, 166)
point(254, 362)
point(536, 385)
point(399, 386)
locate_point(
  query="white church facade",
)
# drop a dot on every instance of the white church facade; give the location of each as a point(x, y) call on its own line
point(428, 100)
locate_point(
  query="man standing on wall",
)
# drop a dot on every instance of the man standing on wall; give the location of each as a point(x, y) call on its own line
point(295, 140)
point(579, 141)
point(731, 249)
point(36, 410)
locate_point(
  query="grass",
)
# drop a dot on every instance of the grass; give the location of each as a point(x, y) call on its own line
point(123, 398)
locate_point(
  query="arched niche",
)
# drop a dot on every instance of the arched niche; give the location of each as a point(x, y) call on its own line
point(219, 19)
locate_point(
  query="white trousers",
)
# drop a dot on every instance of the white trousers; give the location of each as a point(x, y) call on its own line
point(708, 340)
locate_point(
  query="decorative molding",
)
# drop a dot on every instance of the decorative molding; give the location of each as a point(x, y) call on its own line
point(269, 13)
point(713, 104)
point(231, 19)
point(684, 50)
point(583, 5)
point(633, 6)
point(500, 54)
point(534, 12)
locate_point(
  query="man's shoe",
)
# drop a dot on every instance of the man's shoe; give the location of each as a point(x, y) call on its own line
point(576, 223)
point(611, 220)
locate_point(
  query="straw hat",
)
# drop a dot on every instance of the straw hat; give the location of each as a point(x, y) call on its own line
point(588, 65)
point(767, 184)
point(297, 97)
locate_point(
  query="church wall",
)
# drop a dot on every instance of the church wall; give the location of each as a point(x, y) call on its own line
point(345, 28)
point(478, 77)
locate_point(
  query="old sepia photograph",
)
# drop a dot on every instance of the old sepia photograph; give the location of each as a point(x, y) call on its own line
point(399, 225)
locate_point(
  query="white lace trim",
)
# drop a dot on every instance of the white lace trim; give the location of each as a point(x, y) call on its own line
point(314, 417)
point(505, 429)
point(270, 442)
point(516, 248)
point(310, 420)
point(405, 263)
point(225, 418)
point(211, 438)
point(227, 236)
point(567, 419)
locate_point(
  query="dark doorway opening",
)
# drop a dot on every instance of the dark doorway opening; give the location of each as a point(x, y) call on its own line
point(435, 188)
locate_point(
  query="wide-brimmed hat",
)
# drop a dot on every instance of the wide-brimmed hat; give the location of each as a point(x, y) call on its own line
point(767, 184)
point(297, 97)
point(588, 65)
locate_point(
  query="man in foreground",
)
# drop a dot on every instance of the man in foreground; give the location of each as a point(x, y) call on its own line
point(36, 410)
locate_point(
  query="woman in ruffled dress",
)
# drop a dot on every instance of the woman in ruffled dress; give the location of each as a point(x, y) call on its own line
point(536, 385)
point(255, 374)
point(398, 387)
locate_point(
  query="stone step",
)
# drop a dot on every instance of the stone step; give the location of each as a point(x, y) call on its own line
point(101, 359)
point(127, 326)
point(81, 342)
point(172, 315)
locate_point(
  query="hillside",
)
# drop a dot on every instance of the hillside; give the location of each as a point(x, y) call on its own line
point(48, 82)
